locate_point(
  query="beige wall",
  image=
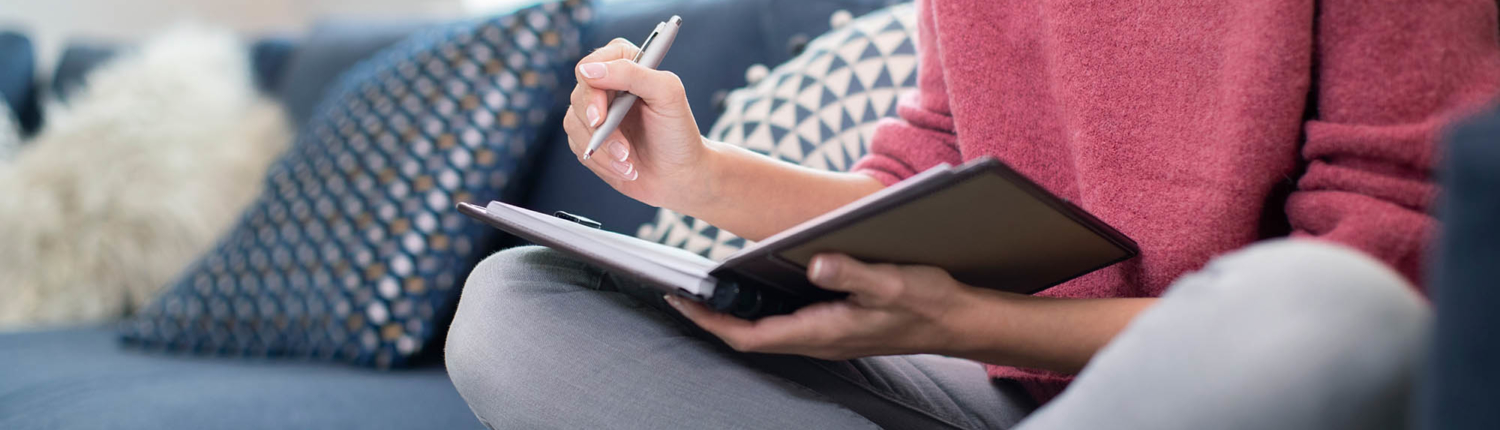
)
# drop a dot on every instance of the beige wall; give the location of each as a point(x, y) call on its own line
point(50, 23)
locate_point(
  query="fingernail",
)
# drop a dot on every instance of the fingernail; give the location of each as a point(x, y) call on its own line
point(593, 114)
point(593, 70)
point(623, 168)
point(819, 270)
point(676, 303)
point(618, 150)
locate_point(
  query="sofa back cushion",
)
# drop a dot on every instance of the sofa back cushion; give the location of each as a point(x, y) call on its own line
point(1461, 368)
point(18, 80)
point(330, 49)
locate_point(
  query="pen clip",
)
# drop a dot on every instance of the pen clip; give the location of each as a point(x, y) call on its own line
point(647, 43)
point(579, 219)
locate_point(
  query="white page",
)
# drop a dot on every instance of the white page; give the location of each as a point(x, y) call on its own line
point(683, 270)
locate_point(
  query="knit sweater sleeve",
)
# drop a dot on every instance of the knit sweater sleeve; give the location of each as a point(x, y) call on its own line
point(922, 135)
point(1388, 77)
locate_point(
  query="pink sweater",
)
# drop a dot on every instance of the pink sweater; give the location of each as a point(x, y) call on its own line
point(1197, 127)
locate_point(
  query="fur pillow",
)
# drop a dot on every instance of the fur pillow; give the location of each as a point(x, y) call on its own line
point(10, 137)
point(131, 180)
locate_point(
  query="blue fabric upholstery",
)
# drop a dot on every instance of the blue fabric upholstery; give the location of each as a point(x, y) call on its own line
point(720, 39)
point(270, 57)
point(81, 378)
point(1465, 362)
point(17, 80)
point(332, 48)
point(78, 59)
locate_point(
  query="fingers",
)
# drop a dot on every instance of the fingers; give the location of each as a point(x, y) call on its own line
point(867, 284)
point(720, 324)
point(774, 334)
point(616, 49)
point(612, 162)
point(658, 88)
point(592, 102)
point(584, 109)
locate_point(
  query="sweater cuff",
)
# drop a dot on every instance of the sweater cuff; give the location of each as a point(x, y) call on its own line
point(883, 168)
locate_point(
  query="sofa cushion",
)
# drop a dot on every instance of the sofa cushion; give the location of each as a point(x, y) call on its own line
point(720, 40)
point(17, 80)
point(817, 110)
point(332, 48)
point(80, 378)
point(269, 57)
point(353, 251)
point(1461, 373)
point(78, 59)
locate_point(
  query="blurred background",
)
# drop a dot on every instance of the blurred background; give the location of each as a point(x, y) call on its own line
point(51, 23)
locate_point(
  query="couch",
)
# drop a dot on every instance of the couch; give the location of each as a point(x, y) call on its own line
point(82, 378)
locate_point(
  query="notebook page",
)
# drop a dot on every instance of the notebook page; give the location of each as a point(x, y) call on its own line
point(640, 254)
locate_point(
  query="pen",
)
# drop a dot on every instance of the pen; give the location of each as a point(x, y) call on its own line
point(652, 51)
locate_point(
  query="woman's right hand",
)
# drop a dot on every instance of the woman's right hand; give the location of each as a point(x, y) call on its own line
point(657, 154)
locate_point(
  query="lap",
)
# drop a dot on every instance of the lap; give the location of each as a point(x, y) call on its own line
point(1291, 334)
point(543, 340)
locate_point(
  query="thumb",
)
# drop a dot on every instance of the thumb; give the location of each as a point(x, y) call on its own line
point(868, 284)
point(659, 88)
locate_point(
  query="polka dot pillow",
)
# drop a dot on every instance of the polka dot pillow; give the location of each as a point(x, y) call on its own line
point(817, 110)
point(353, 252)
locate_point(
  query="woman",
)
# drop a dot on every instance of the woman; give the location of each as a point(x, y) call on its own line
point(1195, 128)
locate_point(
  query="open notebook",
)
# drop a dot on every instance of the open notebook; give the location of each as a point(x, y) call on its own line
point(984, 223)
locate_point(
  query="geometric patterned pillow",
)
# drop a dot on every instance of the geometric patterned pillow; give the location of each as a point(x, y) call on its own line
point(817, 110)
point(353, 251)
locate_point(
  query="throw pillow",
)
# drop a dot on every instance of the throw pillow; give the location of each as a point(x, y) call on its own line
point(354, 252)
point(817, 110)
point(133, 179)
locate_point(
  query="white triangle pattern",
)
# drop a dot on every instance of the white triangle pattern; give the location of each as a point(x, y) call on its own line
point(826, 136)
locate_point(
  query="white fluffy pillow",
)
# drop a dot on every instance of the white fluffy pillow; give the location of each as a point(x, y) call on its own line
point(131, 180)
point(10, 136)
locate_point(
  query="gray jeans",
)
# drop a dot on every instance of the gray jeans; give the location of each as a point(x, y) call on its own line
point(1283, 335)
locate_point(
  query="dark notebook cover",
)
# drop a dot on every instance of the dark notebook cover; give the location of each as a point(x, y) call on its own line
point(984, 223)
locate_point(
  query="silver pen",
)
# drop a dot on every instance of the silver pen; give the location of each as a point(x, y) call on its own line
point(652, 51)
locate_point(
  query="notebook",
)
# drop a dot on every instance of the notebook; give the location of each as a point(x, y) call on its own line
point(983, 222)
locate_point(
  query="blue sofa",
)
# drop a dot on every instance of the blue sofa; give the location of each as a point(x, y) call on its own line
point(83, 378)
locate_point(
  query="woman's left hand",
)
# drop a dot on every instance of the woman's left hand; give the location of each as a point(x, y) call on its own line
point(890, 310)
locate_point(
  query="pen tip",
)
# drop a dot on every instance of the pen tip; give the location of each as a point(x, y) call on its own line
point(587, 154)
